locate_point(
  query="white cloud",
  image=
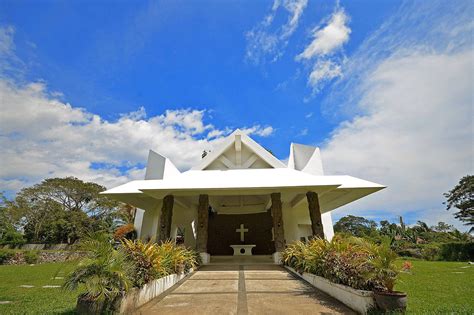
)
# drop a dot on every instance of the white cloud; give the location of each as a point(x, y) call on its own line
point(303, 132)
point(9, 63)
point(42, 136)
point(266, 40)
point(413, 130)
point(191, 121)
point(136, 115)
point(329, 38)
point(327, 41)
point(259, 130)
point(295, 9)
point(6, 40)
point(323, 71)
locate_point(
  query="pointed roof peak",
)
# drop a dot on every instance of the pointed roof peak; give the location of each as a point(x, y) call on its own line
point(159, 166)
point(305, 158)
point(237, 132)
point(240, 137)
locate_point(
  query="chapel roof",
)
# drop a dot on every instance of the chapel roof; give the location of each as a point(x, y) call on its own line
point(240, 166)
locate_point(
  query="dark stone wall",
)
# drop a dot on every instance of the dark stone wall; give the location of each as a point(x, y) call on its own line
point(222, 233)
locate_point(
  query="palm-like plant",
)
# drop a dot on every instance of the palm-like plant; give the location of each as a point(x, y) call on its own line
point(385, 270)
point(105, 273)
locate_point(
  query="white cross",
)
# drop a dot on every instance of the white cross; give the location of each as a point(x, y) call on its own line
point(242, 230)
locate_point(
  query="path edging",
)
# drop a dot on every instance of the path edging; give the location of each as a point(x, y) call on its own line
point(360, 301)
point(139, 296)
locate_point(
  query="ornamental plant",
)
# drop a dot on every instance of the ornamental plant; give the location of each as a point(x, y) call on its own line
point(126, 231)
point(384, 270)
point(152, 260)
point(351, 261)
point(105, 272)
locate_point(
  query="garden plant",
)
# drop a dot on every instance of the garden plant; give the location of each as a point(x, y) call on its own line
point(108, 273)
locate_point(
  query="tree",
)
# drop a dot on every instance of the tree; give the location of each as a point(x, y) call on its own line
point(443, 227)
point(461, 197)
point(357, 226)
point(8, 232)
point(63, 209)
point(422, 227)
point(71, 194)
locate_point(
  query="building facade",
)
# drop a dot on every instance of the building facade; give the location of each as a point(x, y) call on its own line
point(240, 194)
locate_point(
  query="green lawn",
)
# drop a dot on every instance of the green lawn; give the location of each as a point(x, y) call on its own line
point(35, 300)
point(433, 288)
point(438, 287)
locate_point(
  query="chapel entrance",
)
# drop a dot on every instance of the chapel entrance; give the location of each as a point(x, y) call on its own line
point(225, 230)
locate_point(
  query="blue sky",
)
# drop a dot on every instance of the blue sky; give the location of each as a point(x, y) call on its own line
point(383, 87)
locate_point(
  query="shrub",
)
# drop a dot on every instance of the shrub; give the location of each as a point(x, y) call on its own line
point(421, 251)
point(5, 255)
point(31, 256)
point(152, 261)
point(126, 231)
point(351, 261)
point(13, 238)
point(105, 273)
point(430, 251)
point(384, 271)
point(457, 251)
point(410, 252)
point(144, 258)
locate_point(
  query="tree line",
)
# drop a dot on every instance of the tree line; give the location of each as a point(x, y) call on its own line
point(59, 210)
point(421, 240)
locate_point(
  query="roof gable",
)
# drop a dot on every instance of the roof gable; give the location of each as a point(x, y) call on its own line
point(305, 158)
point(159, 167)
point(239, 151)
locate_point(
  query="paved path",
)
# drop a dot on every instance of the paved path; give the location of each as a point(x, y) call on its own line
point(243, 289)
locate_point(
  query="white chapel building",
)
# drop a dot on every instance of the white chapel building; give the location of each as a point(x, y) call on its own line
point(240, 199)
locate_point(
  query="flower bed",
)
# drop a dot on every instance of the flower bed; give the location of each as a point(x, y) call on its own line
point(361, 301)
point(351, 262)
point(119, 280)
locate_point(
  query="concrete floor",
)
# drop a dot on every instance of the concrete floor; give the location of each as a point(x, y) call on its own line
point(248, 288)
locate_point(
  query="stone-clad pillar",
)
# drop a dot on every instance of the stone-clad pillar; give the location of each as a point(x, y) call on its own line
point(165, 218)
point(315, 214)
point(278, 231)
point(202, 224)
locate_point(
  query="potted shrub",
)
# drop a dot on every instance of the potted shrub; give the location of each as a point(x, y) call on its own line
point(385, 273)
point(105, 275)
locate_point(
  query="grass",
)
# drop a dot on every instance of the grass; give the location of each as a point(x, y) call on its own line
point(36, 300)
point(439, 287)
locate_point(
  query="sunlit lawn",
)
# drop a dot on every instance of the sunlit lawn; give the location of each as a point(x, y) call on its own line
point(439, 287)
point(35, 300)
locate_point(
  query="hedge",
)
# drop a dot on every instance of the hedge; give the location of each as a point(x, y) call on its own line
point(457, 251)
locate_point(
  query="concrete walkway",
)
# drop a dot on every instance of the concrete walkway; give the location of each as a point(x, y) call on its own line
point(243, 289)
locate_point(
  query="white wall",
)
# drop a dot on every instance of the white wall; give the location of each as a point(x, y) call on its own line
point(183, 217)
point(150, 222)
point(296, 220)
